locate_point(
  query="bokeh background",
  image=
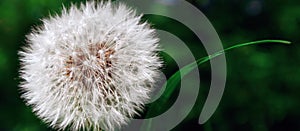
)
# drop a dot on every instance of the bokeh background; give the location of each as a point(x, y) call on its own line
point(262, 91)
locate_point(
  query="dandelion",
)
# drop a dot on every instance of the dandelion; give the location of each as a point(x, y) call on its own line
point(91, 67)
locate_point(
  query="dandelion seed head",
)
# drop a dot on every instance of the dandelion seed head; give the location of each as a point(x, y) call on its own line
point(92, 67)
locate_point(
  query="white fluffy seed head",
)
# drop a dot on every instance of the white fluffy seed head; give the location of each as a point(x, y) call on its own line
point(92, 67)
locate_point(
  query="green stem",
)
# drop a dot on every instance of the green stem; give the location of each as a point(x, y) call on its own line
point(174, 80)
point(204, 59)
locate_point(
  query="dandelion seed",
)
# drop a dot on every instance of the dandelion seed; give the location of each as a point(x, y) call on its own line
point(92, 67)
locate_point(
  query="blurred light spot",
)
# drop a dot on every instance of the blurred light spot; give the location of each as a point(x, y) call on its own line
point(254, 7)
point(204, 3)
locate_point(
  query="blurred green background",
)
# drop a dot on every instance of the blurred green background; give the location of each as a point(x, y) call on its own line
point(262, 90)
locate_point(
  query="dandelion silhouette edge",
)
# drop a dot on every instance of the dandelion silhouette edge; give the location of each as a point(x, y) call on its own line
point(92, 67)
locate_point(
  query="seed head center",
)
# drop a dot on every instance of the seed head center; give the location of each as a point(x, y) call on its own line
point(96, 59)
